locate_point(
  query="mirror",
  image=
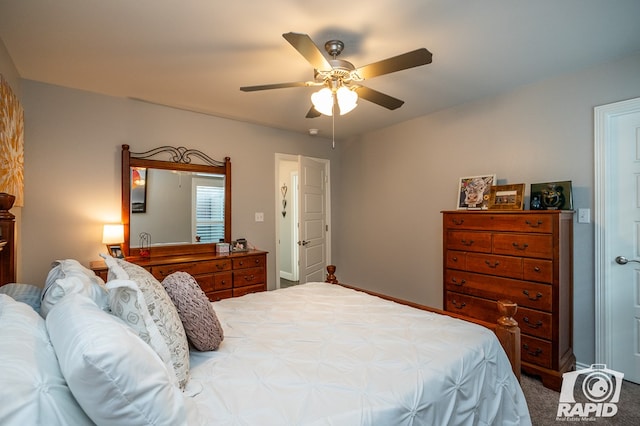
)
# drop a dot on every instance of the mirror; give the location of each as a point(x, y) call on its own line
point(182, 200)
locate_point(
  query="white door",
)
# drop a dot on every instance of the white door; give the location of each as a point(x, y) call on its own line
point(618, 237)
point(312, 178)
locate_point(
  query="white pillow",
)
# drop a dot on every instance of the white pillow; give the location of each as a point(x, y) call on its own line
point(127, 303)
point(116, 377)
point(162, 311)
point(33, 389)
point(69, 277)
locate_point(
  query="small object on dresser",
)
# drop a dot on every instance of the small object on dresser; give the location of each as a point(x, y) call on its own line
point(145, 243)
point(222, 248)
point(239, 245)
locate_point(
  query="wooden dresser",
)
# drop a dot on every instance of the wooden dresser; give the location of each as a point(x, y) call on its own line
point(220, 276)
point(526, 257)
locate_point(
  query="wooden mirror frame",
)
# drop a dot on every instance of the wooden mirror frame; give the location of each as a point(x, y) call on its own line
point(181, 160)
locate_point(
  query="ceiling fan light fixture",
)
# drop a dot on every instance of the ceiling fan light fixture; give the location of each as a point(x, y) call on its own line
point(347, 100)
point(322, 101)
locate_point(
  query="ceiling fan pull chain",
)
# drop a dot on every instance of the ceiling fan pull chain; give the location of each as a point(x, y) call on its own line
point(333, 131)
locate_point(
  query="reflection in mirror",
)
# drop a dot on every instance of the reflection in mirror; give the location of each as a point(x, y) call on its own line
point(192, 203)
point(184, 204)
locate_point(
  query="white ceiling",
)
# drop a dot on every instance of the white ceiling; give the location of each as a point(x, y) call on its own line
point(195, 54)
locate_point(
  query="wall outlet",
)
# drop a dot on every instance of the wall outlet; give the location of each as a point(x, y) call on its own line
point(259, 217)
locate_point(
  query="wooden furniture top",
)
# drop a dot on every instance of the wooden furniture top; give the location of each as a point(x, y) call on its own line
point(180, 258)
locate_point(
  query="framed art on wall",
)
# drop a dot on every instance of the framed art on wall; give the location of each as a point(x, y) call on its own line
point(473, 192)
point(507, 197)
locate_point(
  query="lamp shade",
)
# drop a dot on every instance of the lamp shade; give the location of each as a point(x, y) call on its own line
point(322, 101)
point(113, 234)
point(347, 100)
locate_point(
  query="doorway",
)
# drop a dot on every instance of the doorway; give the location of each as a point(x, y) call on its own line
point(617, 233)
point(303, 237)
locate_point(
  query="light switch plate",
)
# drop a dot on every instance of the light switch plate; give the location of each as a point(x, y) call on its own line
point(259, 217)
point(584, 215)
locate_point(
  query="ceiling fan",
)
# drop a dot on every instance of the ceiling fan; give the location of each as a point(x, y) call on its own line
point(340, 79)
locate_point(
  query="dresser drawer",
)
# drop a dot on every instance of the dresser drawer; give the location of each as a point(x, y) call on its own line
point(502, 266)
point(537, 270)
point(485, 221)
point(248, 262)
point(214, 296)
point(527, 245)
point(534, 323)
point(527, 294)
point(535, 351)
point(249, 276)
point(469, 241)
point(456, 259)
point(192, 268)
point(241, 291)
point(474, 307)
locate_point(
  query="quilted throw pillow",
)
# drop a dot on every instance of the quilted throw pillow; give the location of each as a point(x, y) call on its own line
point(161, 309)
point(198, 317)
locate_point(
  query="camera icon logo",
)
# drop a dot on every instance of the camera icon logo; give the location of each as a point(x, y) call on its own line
point(599, 385)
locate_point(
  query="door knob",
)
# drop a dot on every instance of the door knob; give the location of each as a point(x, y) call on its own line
point(621, 260)
point(303, 243)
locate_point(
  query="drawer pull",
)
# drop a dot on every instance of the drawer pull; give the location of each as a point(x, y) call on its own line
point(536, 353)
point(457, 221)
point(466, 243)
point(461, 283)
point(536, 325)
point(534, 225)
point(520, 247)
point(492, 265)
point(536, 269)
point(455, 258)
point(458, 305)
point(249, 277)
point(220, 266)
point(526, 293)
point(257, 261)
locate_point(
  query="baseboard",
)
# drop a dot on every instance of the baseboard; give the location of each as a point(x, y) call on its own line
point(286, 275)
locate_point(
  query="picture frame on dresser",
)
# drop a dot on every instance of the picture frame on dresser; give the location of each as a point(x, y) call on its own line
point(473, 192)
point(551, 196)
point(507, 197)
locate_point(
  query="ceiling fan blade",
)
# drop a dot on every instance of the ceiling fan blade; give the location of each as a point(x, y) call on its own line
point(379, 98)
point(313, 113)
point(307, 48)
point(274, 86)
point(407, 60)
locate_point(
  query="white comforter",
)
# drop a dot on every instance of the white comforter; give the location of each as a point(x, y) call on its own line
point(320, 354)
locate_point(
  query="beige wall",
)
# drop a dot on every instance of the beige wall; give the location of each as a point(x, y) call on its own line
point(396, 181)
point(72, 168)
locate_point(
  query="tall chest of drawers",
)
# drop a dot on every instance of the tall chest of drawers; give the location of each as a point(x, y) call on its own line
point(526, 257)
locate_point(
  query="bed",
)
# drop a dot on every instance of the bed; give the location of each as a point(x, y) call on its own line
point(313, 354)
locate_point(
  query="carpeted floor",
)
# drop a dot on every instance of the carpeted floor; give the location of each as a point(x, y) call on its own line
point(543, 405)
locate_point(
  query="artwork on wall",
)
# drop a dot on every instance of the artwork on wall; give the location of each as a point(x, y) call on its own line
point(551, 196)
point(474, 191)
point(139, 190)
point(11, 144)
point(507, 197)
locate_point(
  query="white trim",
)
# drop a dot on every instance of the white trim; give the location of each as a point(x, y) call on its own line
point(603, 139)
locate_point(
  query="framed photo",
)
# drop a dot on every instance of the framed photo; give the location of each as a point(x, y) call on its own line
point(115, 250)
point(507, 197)
point(239, 245)
point(473, 192)
point(551, 196)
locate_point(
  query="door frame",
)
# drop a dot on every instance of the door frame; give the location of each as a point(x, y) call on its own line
point(278, 205)
point(603, 139)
